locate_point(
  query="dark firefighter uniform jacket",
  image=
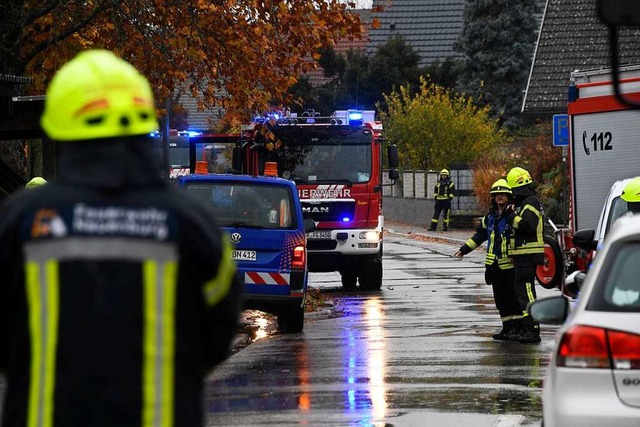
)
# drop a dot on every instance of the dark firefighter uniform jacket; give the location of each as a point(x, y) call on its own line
point(494, 228)
point(527, 225)
point(118, 295)
point(444, 189)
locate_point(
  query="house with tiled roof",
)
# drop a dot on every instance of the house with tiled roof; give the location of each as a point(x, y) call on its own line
point(431, 27)
point(316, 77)
point(571, 38)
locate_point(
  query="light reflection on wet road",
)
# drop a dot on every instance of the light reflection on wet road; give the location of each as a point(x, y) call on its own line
point(418, 351)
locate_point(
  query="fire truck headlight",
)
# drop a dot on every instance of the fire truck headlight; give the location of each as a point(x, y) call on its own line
point(369, 235)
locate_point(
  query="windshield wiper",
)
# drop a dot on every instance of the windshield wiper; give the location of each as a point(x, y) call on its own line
point(245, 224)
point(299, 180)
point(341, 181)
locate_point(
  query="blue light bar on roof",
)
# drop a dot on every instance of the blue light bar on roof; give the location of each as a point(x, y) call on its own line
point(355, 115)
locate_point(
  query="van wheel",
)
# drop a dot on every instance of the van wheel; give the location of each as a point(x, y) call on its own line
point(371, 275)
point(549, 274)
point(292, 320)
point(349, 280)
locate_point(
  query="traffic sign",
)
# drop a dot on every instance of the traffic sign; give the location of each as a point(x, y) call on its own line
point(560, 130)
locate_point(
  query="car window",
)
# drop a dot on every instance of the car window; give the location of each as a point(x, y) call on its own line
point(618, 288)
point(618, 208)
point(246, 205)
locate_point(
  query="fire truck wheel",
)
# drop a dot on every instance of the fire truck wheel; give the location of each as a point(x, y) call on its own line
point(292, 320)
point(549, 274)
point(349, 280)
point(371, 275)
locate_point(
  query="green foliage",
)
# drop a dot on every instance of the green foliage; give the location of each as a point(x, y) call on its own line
point(498, 44)
point(532, 150)
point(436, 127)
point(358, 81)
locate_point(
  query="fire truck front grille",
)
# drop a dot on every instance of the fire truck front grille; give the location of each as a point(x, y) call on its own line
point(321, 245)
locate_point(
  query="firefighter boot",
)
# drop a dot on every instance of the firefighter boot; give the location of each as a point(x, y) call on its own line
point(506, 328)
point(530, 331)
point(433, 227)
point(514, 332)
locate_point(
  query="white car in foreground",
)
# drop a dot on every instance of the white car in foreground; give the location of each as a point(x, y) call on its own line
point(594, 375)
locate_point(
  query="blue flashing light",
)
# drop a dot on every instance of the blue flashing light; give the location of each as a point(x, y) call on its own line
point(155, 134)
point(192, 133)
point(346, 219)
point(355, 115)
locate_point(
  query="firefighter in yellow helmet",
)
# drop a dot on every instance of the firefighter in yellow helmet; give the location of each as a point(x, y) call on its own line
point(119, 293)
point(36, 181)
point(631, 195)
point(494, 229)
point(526, 247)
point(443, 193)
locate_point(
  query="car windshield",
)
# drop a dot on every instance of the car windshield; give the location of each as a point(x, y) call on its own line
point(246, 205)
point(618, 288)
point(618, 208)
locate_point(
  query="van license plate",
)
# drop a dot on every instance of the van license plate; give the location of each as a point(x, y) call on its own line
point(319, 235)
point(244, 255)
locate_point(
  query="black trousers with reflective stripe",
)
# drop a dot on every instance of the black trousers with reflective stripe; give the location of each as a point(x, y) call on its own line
point(524, 283)
point(504, 293)
point(444, 207)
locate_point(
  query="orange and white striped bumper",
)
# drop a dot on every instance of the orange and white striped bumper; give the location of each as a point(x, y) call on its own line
point(256, 278)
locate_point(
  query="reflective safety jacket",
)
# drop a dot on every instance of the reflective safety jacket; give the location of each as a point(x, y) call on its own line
point(444, 189)
point(528, 227)
point(113, 305)
point(494, 229)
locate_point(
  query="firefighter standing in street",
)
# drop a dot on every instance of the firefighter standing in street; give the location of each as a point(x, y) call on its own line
point(119, 293)
point(526, 247)
point(443, 192)
point(494, 228)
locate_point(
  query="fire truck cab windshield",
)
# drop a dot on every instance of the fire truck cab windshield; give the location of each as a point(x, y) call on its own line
point(344, 157)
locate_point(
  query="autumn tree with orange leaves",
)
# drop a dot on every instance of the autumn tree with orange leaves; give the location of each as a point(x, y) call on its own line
point(240, 55)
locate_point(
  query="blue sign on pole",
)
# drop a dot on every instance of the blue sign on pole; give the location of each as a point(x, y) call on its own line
point(560, 130)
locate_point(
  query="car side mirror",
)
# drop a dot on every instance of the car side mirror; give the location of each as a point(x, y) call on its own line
point(554, 310)
point(573, 283)
point(584, 239)
point(309, 225)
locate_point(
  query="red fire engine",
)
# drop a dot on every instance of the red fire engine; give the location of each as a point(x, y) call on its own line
point(336, 163)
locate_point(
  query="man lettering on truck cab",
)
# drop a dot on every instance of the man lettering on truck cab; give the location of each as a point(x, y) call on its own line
point(118, 293)
point(526, 247)
point(443, 192)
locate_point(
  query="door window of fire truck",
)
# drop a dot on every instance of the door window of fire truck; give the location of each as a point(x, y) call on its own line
point(327, 162)
point(246, 205)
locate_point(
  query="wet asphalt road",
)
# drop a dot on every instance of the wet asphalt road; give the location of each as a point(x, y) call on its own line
point(417, 353)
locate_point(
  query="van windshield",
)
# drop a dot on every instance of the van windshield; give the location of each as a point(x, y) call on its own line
point(618, 208)
point(242, 205)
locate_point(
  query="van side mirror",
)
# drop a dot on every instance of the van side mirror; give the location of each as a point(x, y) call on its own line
point(584, 239)
point(573, 283)
point(619, 12)
point(309, 225)
point(616, 14)
point(392, 155)
point(236, 159)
